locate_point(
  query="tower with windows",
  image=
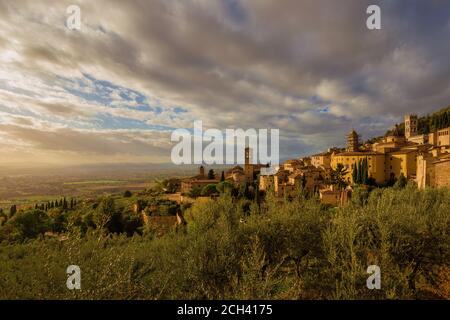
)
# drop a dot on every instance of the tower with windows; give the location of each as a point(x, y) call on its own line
point(248, 166)
point(352, 141)
point(411, 123)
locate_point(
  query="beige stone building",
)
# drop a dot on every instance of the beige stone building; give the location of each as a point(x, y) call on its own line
point(443, 137)
point(376, 162)
point(335, 197)
point(199, 180)
point(321, 159)
point(424, 158)
point(411, 125)
point(287, 180)
point(433, 169)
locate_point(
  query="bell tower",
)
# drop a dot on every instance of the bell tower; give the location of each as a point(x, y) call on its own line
point(410, 125)
point(352, 141)
point(247, 156)
point(248, 167)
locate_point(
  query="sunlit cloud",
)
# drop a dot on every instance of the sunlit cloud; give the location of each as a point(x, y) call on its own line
point(136, 70)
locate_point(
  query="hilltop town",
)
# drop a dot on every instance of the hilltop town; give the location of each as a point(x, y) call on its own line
point(194, 237)
point(411, 152)
point(422, 158)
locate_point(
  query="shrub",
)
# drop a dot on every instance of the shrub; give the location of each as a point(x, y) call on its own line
point(276, 249)
point(127, 194)
point(29, 224)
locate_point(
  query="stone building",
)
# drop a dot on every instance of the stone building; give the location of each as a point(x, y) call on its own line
point(251, 169)
point(335, 197)
point(411, 125)
point(288, 179)
point(199, 180)
point(352, 141)
point(443, 137)
point(433, 169)
point(442, 172)
point(321, 159)
point(421, 158)
point(236, 175)
point(375, 160)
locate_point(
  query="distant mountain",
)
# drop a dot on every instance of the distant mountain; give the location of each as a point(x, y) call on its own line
point(125, 170)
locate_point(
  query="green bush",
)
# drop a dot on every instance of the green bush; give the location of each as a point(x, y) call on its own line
point(28, 224)
point(240, 249)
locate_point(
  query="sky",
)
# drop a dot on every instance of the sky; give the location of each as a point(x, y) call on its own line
point(114, 90)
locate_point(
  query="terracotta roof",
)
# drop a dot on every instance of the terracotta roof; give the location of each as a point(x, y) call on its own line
point(235, 169)
point(356, 153)
point(295, 175)
point(212, 181)
point(293, 161)
point(442, 158)
point(281, 172)
point(326, 153)
point(403, 151)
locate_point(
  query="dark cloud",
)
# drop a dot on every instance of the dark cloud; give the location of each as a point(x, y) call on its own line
point(249, 63)
point(86, 142)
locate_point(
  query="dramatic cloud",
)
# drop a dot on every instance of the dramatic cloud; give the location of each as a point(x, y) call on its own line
point(113, 90)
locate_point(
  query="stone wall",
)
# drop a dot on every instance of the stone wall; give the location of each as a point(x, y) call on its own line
point(442, 174)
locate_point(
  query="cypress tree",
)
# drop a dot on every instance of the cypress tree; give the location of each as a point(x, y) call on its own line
point(12, 210)
point(354, 173)
point(367, 171)
point(256, 194)
point(359, 169)
point(445, 121)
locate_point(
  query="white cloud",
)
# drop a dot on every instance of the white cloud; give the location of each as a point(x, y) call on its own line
point(274, 64)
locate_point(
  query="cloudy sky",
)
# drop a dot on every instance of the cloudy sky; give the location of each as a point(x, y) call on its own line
point(114, 90)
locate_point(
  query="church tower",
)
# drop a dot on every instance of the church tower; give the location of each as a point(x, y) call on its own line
point(410, 125)
point(201, 172)
point(352, 141)
point(247, 156)
point(248, 167)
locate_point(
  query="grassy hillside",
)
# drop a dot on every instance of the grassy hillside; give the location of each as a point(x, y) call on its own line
point(237, 248)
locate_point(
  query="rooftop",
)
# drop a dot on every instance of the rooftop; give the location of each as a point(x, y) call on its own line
point(359, 153)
